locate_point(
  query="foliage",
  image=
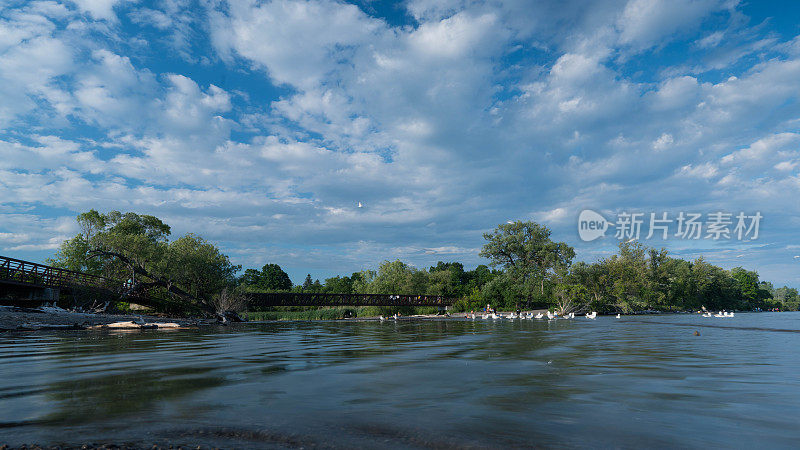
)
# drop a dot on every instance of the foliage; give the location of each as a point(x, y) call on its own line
point(129, 246)
point(527, 254)
point(270, 278)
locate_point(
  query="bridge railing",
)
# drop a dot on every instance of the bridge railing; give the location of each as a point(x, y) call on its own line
point(271, 299)
point(25, 272)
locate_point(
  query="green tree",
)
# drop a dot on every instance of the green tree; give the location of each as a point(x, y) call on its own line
point(270, 278)
point(527, 254)
point(339, 285)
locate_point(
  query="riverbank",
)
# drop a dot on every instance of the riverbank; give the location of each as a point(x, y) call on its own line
point(13, 318)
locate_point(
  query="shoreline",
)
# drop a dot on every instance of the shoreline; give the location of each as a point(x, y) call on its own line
point(15, 318)
point(27, 319)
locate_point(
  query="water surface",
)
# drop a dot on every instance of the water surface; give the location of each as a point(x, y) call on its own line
point(633, 382)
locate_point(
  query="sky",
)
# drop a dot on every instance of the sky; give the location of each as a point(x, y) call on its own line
point(328, 136)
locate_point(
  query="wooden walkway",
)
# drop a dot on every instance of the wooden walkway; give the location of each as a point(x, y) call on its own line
point(24, 273)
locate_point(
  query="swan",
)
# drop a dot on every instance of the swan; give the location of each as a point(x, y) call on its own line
point(618, 316)
point(572, 315)
point(591, 315)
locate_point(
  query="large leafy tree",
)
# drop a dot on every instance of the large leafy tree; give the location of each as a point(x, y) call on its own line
point(130, 246)
point(270, 278)
point(527, 254)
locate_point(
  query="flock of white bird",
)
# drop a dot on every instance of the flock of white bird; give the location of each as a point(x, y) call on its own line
point(529, 316)
point(550, 315)
point(719, 314)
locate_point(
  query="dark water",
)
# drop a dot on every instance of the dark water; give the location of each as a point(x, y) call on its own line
point(637, 381)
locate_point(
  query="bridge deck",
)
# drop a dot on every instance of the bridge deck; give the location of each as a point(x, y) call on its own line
point(25, 273)
point(19, 272)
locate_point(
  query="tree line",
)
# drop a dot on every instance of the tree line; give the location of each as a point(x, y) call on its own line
point(526, 269)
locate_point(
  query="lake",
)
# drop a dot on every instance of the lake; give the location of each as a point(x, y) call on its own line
point(630, 382)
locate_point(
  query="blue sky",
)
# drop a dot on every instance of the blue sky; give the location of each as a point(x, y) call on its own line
point(261, 125)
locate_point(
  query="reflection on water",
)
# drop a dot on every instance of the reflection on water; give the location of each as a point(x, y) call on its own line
point(637, 381)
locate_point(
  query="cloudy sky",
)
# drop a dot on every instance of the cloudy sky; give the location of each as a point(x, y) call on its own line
point(262, 125)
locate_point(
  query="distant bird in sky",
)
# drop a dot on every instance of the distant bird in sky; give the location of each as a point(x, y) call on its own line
point(796, 256)
point(360, 205)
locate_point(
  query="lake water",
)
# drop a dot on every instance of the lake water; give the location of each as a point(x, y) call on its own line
point(633, 382)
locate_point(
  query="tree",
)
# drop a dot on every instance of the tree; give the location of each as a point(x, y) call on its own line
point(198, 267)
point(526, 253)
point(339, 285)
point(308, 282)
point(135, 247)
point(570, 298)
point(270, 278)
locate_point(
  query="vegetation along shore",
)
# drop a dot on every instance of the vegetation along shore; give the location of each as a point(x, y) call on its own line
point(526, 269)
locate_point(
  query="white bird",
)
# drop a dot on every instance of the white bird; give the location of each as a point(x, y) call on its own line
point(618, 316)
point(495, 316)
point(550, 315)
point(538, 316)
point(360, 205)
point(708, 314)
point(382, 318)
point(396, 316)
point(591, 315)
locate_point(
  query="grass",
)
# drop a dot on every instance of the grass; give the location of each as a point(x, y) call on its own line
point(335, 313)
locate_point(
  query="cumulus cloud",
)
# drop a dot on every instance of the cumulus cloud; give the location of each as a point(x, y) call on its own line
point(263, 124)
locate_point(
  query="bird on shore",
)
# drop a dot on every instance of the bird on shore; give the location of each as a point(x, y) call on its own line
point(550, 315)
point(538, 316)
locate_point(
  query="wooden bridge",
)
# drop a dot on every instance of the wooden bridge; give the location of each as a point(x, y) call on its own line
point(18, 276)
point(25, 273)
